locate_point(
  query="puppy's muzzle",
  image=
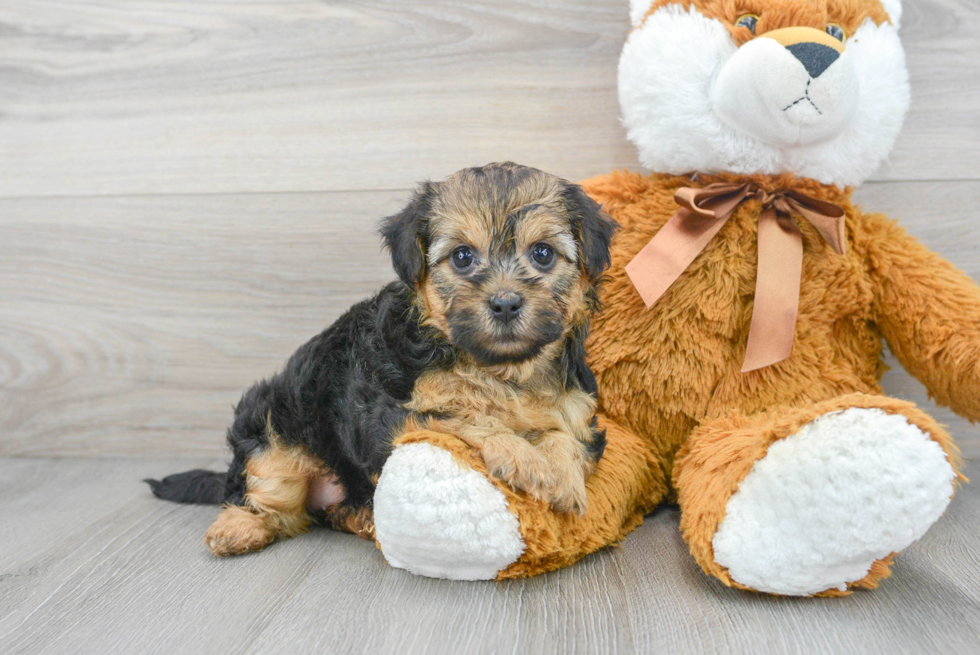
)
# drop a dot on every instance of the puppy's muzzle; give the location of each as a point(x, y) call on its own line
point(505, 306)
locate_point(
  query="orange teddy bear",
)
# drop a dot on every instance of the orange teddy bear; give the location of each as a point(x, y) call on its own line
point(740, 350)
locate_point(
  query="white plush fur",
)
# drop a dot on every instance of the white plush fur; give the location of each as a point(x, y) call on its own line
point(764, 92)
point(639, 9)
point(849, 488)
point(436, 518)
point(894, 9)
point(668, 72)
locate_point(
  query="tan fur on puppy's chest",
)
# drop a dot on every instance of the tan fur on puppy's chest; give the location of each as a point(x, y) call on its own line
point(528, 401)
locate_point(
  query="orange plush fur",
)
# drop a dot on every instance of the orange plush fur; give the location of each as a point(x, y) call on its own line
point(775, 14)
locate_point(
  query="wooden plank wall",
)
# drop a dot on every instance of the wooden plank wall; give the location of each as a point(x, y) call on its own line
point(188, 190)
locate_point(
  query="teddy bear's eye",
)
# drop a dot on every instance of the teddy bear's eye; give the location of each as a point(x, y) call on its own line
point(748, 21)
point(836, 31)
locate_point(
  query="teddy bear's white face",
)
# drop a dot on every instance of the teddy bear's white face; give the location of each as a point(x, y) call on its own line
point(819, 103)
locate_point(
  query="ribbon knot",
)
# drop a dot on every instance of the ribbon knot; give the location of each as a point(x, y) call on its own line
point(703, 212)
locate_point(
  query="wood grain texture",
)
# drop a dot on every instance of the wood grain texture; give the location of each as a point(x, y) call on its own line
point(578, 610)
point(137, 579)
point(201, 96)
point(942, 127)
point(46, 501)
point(131, 325)
point(198, 96)
point(134, 577)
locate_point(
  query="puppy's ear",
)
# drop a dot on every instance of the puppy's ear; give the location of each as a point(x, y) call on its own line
point(574, 362)
point(594, 229)
point(404, 235)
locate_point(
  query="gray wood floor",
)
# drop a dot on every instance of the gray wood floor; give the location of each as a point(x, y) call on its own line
point(94, 564)
point(188, 191)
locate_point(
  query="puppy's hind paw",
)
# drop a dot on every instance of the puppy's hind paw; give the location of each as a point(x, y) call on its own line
point(237, 531)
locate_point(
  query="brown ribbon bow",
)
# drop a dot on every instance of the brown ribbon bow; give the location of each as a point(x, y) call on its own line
point(702, 214)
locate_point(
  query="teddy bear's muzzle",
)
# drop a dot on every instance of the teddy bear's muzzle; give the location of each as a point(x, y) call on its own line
point(788, 88)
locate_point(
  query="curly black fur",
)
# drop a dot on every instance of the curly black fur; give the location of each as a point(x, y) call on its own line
point(197, 486)
point(340, 396)
point(594, 227)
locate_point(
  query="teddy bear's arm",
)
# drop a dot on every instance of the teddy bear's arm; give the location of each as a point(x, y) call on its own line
point(928, 312)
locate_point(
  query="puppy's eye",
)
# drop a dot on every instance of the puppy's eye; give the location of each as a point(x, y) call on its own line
point(543, 255)
point(836, 31)
point(748, 21)
point(462, 258)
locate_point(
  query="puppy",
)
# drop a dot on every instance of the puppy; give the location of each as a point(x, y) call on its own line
point(483, 338)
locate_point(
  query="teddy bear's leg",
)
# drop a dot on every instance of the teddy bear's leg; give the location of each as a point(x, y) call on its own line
point(812, 500)
point(437, 512)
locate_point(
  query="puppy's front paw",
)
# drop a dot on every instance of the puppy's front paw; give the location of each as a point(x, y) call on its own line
point(526, 469)
point(567, 494)
point(519, 466)
point(569, 469)
point(237, 531)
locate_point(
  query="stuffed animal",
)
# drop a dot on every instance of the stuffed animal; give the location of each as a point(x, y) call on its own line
point(739, 351)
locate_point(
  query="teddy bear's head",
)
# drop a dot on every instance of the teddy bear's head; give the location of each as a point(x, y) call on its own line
point(817, 88)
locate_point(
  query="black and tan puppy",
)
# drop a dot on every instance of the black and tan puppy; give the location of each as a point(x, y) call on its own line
point(483, 337)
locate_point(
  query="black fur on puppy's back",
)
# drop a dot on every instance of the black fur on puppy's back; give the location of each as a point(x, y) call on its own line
point(340, 397)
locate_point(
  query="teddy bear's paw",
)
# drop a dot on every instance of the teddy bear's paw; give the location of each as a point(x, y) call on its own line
point(824, 504)
point(435, 516)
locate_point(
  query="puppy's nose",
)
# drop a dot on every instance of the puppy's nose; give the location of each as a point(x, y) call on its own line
point(814, 49)
point(505, 306)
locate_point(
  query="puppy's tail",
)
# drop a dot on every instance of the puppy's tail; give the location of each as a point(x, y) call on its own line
point(197, 486)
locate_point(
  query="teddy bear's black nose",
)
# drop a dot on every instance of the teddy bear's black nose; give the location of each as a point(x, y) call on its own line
point(815, 57)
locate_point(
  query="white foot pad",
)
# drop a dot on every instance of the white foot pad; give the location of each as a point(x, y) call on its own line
point(849, 488)
point(436, 518)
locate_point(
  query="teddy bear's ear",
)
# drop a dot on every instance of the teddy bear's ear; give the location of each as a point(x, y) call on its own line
point(594, 229)
point(894, 9)
point(639, 9)
point(404, 235)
